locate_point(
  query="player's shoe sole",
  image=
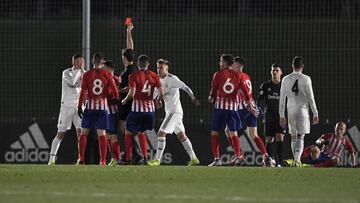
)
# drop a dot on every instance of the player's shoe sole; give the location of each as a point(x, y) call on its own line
point(194, 162)
point(154, 162)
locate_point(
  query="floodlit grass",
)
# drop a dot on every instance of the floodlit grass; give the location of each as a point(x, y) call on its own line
point(64, 183)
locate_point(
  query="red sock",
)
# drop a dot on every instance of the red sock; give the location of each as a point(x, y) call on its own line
point(116, 150)
point(306, 153)
point(260, 145)
point(110, 148)
point(230, 142)
point(215, 146)
point(129, 143)
point(327, 163)
point(143, 143)
point(103, 147)
point(236, 145)
point(82, 146)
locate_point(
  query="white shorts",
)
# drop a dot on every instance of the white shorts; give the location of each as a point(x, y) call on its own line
point(299, 122)
point(67, 116)
point(172, 123)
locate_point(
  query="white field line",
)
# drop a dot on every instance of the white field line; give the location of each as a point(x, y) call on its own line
point(178, 197)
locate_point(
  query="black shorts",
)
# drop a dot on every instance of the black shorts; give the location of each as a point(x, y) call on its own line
point(273, 127)
point(124, 111)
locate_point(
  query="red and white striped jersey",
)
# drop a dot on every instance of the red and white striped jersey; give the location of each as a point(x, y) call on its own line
point(144, 82)
point(335, 146)
point(97, 104)
point(245, 93)
point(113, 108)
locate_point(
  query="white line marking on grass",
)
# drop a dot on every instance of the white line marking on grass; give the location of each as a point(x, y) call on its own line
point(178, 197)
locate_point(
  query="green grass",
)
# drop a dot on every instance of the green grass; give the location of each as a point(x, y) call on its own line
point(63, 183)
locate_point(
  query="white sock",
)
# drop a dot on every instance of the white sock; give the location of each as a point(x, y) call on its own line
point(299, 148)
point(54, 148)
point(189, 149)
point(160, 148)
point(293, 142)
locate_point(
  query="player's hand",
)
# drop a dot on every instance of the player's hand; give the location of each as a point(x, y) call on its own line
point(130, 27)
point(315, 120)
point(253, 111)
point(123, 102)
point(196, 102)
point(158, 104)
point(282, 122)
point(210, 100)
point(80, 112)
point(124, 90)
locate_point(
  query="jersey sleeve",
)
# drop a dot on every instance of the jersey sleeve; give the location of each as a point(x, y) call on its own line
point(246, 87)
point(71, 79)
point(282, 99)
point(310, 96)
point(214, 86)
point(83, 91)
point(349, 146)
point(177, 83)
point(112, 86)
point(261, 97)
point(132, 81)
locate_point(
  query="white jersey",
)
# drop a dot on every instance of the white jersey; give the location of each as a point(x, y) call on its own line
point(171, 85)
point(297, 88)
point(71, 86)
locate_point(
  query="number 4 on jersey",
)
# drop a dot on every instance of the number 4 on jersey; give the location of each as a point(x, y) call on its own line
point(146, 88)
point(295, 88)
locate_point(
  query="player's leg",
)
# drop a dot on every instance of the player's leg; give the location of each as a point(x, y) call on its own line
point(114, 146)
point(269, 145)
point(233, 122)
point(330, 162)
point(101, 124)
point(217, 124)
point(181, 135)
point(82, 142)
point(279, 140)
point(143, 144)
point(302, 127)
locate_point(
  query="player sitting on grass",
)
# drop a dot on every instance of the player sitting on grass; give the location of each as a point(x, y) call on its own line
point(174, 113)
point(333, 145)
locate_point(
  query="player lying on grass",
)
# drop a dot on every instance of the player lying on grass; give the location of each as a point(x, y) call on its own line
point(328, 149)
point(142, 115)
point(174, 113)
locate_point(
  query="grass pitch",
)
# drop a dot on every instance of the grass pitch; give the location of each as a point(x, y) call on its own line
point(64, 183)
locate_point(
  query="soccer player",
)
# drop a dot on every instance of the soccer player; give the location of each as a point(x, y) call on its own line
point(297, 88)
point(114, 146)
point(247, 110)
point(96, 86)
point(333, 145)
point(71, 86)
point(268, 101)
point(174, 113)
point(225, 86)
point(128, 57)
point(142, 115)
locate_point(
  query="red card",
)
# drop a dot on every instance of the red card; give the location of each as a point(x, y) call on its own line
point(128, 21)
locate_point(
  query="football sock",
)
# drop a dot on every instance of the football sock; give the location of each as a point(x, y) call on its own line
point(160, 148)
point(269, 148)
point(280, 149)
point(189, 149)
point(215, 146)
point(103, 147)
point(236, 145)
point(327, 163)
point(115, 148)
point(293, 142)
point(110, 148)
point(54, 148)
point(129, 143)
point(143, 143)
point(230, 142)
point(299, 147)
point(82, 146)
point(260, 145)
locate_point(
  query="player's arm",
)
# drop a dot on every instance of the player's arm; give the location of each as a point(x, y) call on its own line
point(177, 83)
point(311, 99)
point(282, 103)
point(246, 87)
point(113, 87)
point(72, 80)
point(214, 88)
point(159, 89)
point(351, 150)
point(129, 39)
point(132, 89)
point(261, 97)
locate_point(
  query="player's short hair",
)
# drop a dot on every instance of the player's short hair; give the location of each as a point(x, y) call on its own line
point(98, 57)
point(298, 62)
point(239, 60)
point(143, 61)
point(163, 61)
point(109, 64)
point(275, 65)
point(129, 54)
point(76, 56)
point(228, 59)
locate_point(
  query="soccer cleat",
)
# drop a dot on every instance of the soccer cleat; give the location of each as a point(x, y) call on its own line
point(268, 161)
point(102, 163)
point(216, 162)
point(113, 162)
point(194, 162)
point(289, 163)
point(297, 164)
point(237, 161)
point(51, 162)
point(144, 160)
point(80, 162)
point(154, 162)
